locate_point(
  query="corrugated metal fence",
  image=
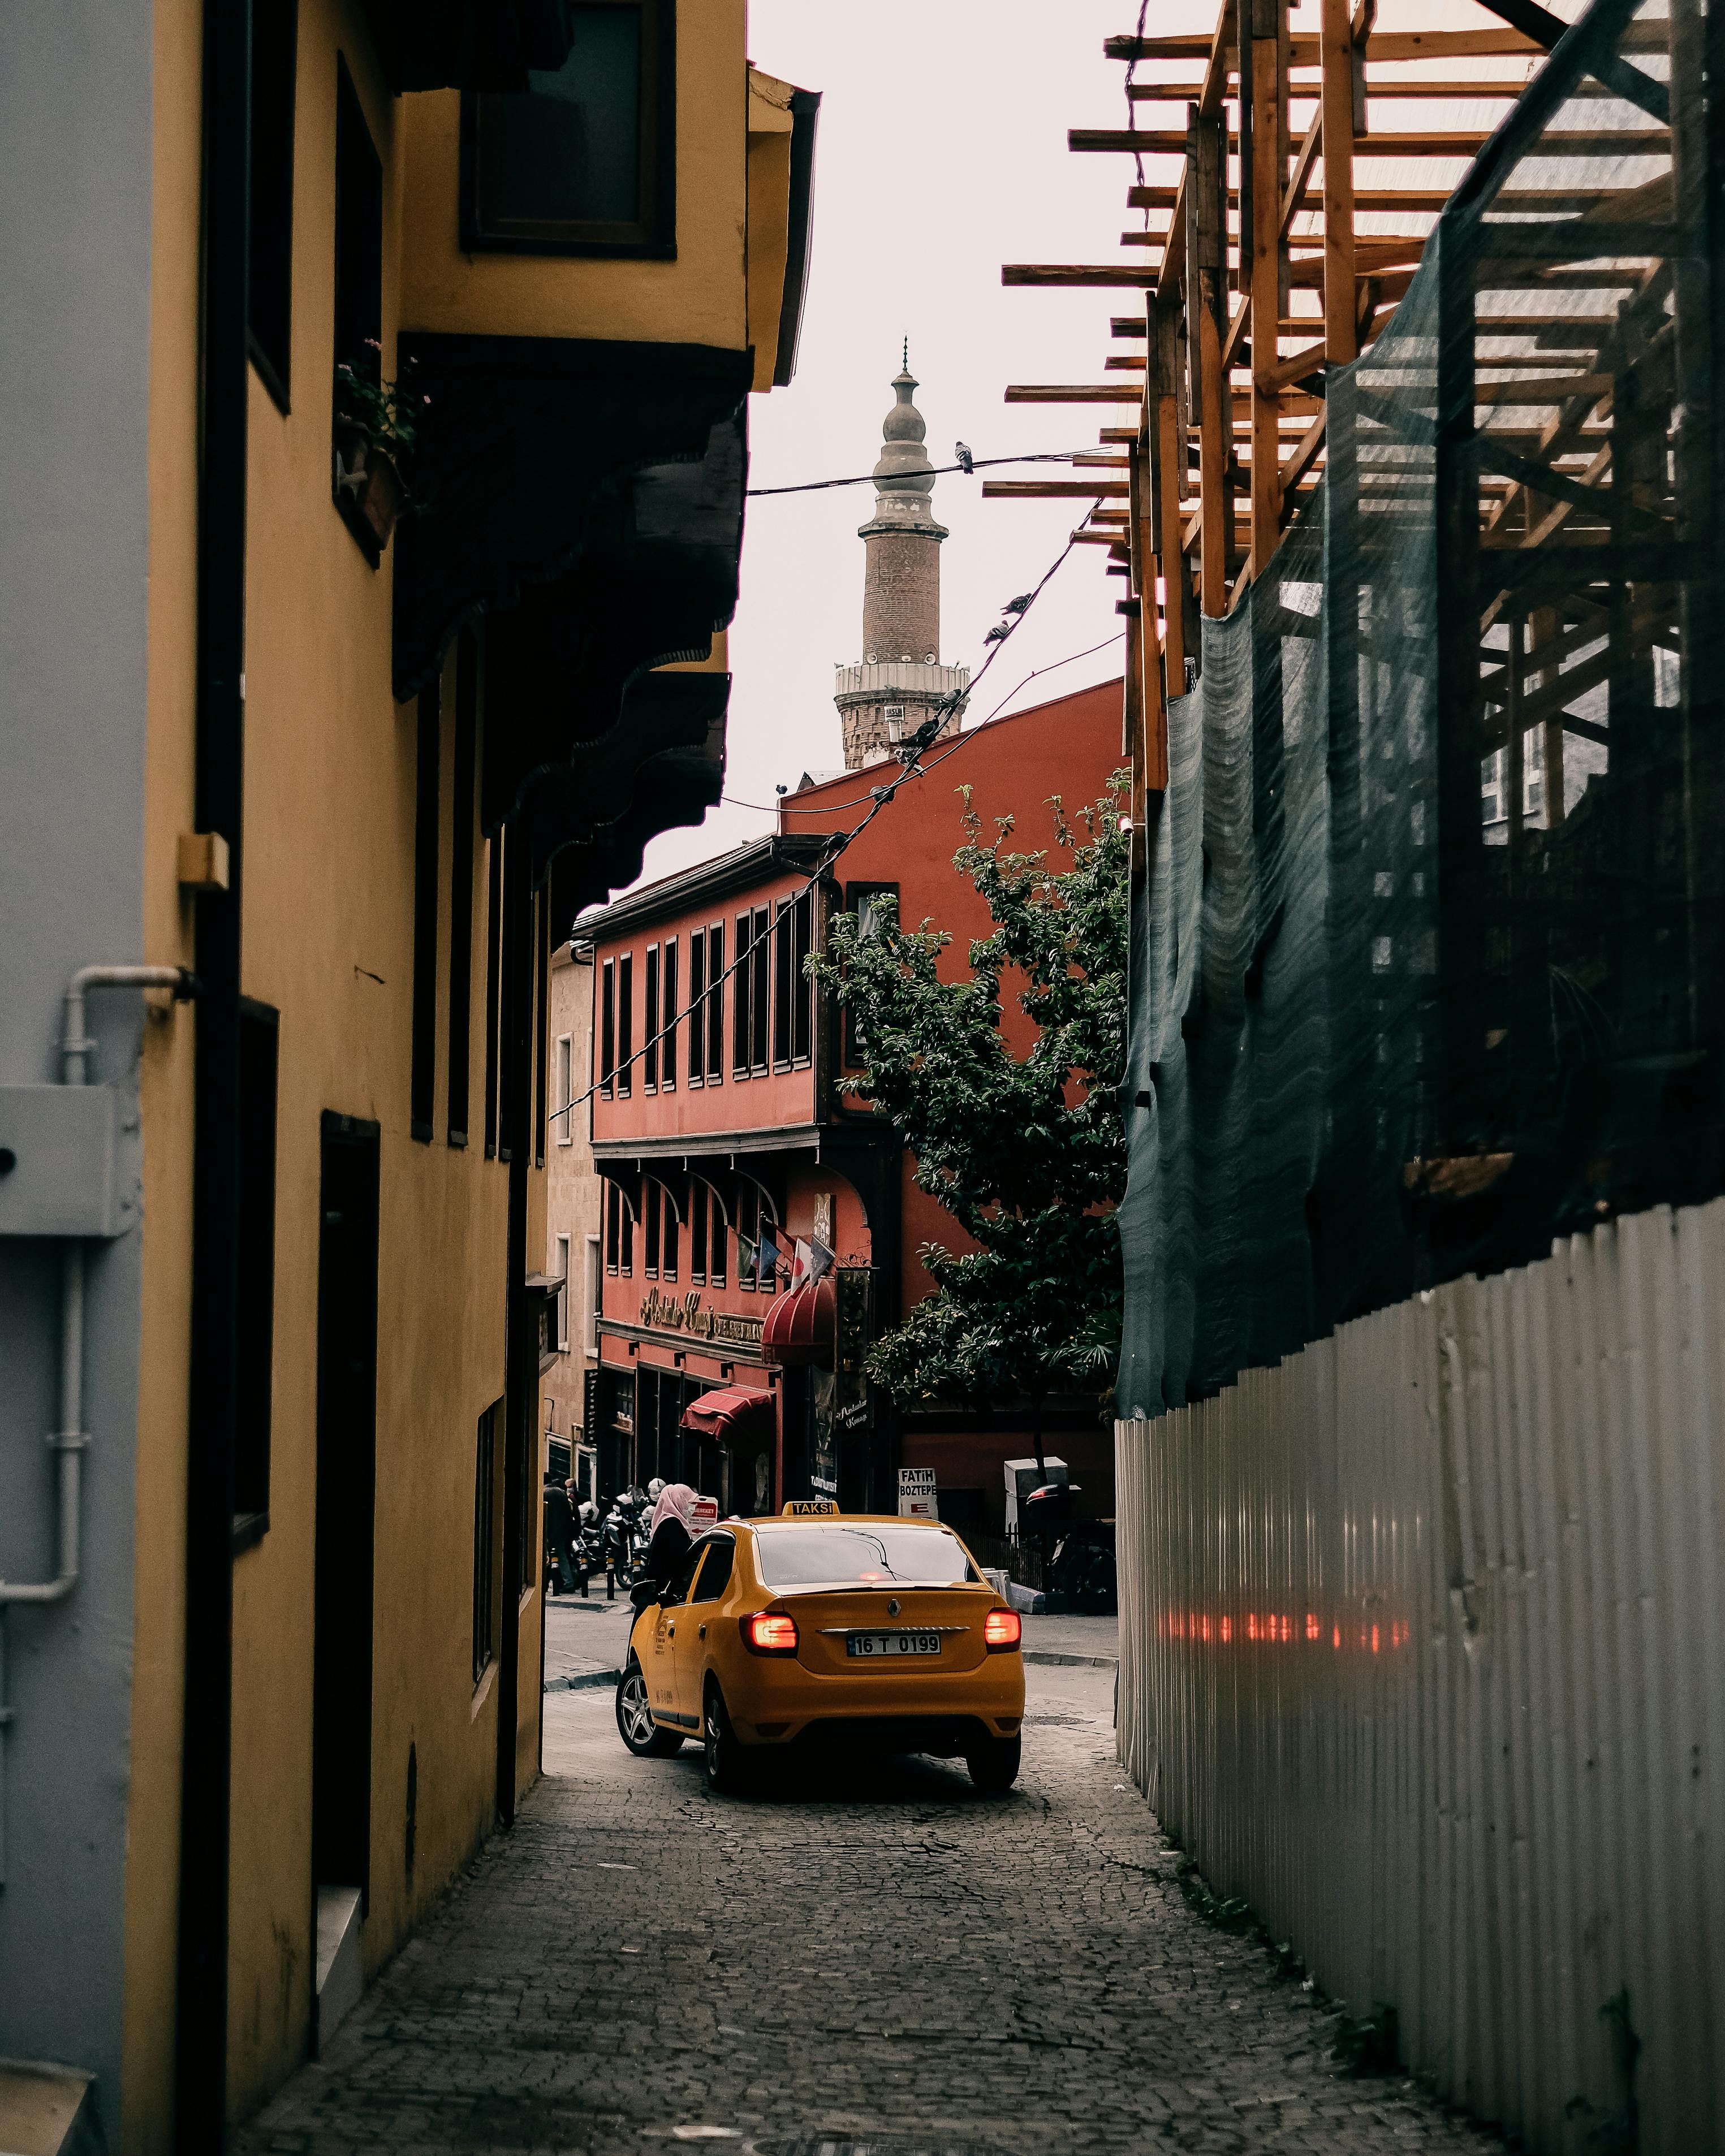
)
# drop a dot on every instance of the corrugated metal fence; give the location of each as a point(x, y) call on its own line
point(1422, 1653)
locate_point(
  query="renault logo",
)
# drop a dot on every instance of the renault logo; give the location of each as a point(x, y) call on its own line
point(892, 1607)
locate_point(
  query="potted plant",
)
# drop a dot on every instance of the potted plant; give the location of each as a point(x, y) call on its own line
point(377, 425)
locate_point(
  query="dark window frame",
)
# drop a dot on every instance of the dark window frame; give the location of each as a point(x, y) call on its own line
point(699, 1199)
point(270, 303)
point(493, 982)
point(649, 1020)
point(651, 1196)
point(358, 283)
point(716, 1003)
point(461, 862)
point(622, 1079)
point(652, 236)
point(608, 1028)
point(697, 1007)
point(541, 1020)
point(260, 1140)
point(427, 806)
point(485, 1543)
point(668, 1015)
point(670, 1233)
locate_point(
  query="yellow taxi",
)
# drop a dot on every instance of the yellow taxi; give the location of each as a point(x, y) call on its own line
point(819, 1628)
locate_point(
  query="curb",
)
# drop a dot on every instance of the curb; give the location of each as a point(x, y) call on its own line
point(585, 1680)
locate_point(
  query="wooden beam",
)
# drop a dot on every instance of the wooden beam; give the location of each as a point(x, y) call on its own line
point(1302, 167)
point(1101, 276)
point(1305, 455)
point(1292, 368)
point(1052, 489)
point(1070, 392)
point(1420, 142)
point(1336, 43)
point(1162, 412)
point(1265, 119)
point(1425, 88)
point(1381, 45)
point(1206, 313)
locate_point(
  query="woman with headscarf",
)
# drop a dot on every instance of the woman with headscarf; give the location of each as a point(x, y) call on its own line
point(673, 1517)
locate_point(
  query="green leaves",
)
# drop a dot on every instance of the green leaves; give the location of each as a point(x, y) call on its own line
point(1027, 1152)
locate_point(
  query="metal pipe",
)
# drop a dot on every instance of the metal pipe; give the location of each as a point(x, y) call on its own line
point(70, 1440)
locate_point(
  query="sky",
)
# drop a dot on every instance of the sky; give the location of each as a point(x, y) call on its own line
point(941, 154)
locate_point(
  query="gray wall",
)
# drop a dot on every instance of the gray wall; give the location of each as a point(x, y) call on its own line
point(75, 135)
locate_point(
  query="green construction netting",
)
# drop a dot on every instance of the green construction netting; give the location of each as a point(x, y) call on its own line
point(1427, 956)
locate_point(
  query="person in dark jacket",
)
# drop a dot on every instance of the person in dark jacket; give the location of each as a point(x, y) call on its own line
point(670, 1540)
point(559, 1536)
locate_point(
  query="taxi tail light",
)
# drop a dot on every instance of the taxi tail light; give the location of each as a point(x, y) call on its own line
point(770, 1632)
point(1002, 1630)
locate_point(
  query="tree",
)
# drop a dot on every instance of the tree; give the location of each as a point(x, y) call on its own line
point(1028, 1153)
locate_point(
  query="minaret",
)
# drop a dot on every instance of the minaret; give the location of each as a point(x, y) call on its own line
point(900, 679)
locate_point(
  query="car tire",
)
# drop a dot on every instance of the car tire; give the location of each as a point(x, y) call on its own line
point(994, 1764)
point(635, 1725)
point(724, 1756)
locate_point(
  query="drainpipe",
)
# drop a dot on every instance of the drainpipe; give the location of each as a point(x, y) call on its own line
point(71, 1439)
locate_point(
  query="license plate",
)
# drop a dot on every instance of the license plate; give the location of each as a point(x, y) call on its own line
point(888, 1646)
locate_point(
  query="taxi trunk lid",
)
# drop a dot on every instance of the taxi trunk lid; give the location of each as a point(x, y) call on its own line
point(858, 1631)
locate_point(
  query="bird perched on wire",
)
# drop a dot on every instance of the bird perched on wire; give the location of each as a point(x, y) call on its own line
point(966, 456)
point(1019, 605)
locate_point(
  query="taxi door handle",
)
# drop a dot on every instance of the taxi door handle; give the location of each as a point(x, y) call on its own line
point(700, 1631)
point(672, 1629)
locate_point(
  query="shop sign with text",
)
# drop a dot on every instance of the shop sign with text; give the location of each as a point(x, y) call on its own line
point(699, 1320)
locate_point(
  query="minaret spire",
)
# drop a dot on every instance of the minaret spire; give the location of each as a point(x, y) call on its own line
point(899, 679)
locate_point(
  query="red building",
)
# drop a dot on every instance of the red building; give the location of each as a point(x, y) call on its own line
point(719, 1129)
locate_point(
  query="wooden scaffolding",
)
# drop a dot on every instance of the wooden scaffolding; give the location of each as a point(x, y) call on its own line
point(1282, 223)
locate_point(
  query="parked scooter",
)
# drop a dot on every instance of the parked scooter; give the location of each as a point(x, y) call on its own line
point(1077, 1555)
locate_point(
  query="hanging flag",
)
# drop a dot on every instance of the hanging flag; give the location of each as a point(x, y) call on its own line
point(802, 1259)
point(745, 1255)
point(820, 1261)
point(769, 1254)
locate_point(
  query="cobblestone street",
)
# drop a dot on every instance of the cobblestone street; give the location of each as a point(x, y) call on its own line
point(865, 1959)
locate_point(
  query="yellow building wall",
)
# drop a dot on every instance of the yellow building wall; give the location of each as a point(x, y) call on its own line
point(165, 1088)
point(769, 219)
point(328, 888)
point(699, 298)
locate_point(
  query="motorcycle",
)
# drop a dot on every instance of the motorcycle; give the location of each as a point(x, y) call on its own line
point(1078, 1555)
point(589, 1541)
point(616, 1544)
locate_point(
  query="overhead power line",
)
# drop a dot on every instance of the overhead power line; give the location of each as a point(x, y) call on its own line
point(934, 471)
point(910, 754)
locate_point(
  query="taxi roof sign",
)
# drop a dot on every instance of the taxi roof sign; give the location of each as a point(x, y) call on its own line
point(804, 1508)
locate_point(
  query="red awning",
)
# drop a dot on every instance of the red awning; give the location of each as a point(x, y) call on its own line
point(800, 1326)
point(732, 1412)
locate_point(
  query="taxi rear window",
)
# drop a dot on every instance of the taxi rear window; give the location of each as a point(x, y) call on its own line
point(857, 1555)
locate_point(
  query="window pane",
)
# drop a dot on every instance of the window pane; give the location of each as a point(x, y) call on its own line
point(716, 1572)
point(567, 150)
point(715, 1005)
point(804, 1556)
point(697, 1005)
point(668, 1075)
point(650, 1023)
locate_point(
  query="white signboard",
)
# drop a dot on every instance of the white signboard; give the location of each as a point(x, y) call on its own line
point(703, 1514)
point(917, 1498)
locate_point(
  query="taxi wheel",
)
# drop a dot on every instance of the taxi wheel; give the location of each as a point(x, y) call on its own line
point(994, 1764)
point(724, 1754)
point(635, 1724)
